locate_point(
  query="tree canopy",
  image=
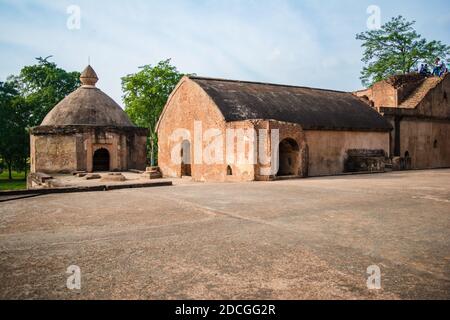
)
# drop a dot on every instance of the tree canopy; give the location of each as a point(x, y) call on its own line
point(14, 115)
point(24, 102)
point(146, 93)
point(43, 85)
point(396, 48)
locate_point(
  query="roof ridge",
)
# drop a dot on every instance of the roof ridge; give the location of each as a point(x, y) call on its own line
point(265, 83)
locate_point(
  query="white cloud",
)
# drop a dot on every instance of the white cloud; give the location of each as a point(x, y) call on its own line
point(271, 41)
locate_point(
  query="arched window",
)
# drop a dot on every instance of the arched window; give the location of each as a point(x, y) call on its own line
point(435, 144)
point(229, 171)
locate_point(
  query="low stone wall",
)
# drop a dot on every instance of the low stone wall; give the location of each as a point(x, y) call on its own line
point(364, 160)
point(102, 187)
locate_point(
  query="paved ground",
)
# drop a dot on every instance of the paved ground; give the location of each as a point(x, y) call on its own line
point(298, 239)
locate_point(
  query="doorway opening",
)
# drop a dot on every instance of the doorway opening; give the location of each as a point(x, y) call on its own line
point(289, 152)
point(101, 160)
point(186, 159)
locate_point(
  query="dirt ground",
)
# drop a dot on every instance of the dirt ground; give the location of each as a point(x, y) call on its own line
point(296, 239)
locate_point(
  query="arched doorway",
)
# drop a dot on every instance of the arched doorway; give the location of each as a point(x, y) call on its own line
point(289, 154)
point(101, 160)
point(186, 159)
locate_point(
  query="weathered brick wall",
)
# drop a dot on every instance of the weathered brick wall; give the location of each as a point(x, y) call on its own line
point(427, 142)
point(328, 149)
point(423, 118)
point(384, 95)
point(320, 152)
point(137, 151)
point(64, 153)
point(53, 154)
point(285, 131)
point(391, 120)
point(103, 140)
point(437, 102)
point(381, 94)
point(187, 104)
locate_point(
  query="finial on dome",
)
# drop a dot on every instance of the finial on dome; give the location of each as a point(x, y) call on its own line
point(88, 77)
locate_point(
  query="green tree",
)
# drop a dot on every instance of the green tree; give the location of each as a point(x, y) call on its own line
point(14, 118)
point(43, 85)
point(396, 48)
point(24, 101)
point(146, 93)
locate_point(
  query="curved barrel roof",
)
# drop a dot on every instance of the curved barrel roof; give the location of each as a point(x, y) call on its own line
point(311, 108)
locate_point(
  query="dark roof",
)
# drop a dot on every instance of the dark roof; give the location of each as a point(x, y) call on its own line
point(311, 108)
point(87, 106)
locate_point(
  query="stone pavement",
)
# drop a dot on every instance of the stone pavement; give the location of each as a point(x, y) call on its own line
point(295, 239)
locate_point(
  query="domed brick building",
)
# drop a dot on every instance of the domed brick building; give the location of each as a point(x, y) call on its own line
point(87, 131)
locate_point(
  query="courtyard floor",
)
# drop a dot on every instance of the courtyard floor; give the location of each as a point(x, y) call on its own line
point(295, 239)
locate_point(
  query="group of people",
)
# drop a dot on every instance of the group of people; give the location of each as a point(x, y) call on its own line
point(439, 69)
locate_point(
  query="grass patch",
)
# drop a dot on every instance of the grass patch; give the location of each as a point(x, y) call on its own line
point(17, 183)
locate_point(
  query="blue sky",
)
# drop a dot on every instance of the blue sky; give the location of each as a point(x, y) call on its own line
point(309, 43)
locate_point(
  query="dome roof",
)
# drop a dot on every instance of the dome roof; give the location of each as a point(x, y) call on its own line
point(87, 105)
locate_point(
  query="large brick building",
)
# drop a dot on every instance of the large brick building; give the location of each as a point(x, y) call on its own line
point(225, 130)
point(87, 131)
point(418, 109)
point(319, 132)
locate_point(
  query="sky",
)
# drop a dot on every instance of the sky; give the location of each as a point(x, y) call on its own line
point(307, 43)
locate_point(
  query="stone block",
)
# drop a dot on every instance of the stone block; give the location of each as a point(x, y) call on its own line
point(152, 173)
point(114, 177)
point(93, 177)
